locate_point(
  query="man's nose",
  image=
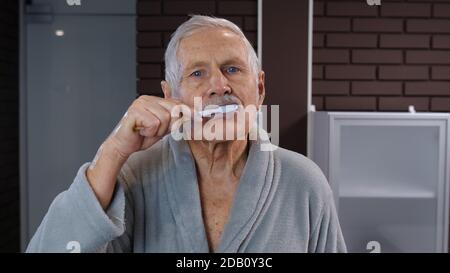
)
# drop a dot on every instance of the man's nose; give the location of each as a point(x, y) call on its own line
point(219, 84)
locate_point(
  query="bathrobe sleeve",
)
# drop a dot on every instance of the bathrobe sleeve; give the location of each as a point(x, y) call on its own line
point(76, 221)
point(327, 236)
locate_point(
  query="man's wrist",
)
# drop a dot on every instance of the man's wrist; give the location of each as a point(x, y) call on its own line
point(112, 154)
point(103, 171)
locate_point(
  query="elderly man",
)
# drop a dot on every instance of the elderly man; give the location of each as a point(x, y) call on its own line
point(146, 191)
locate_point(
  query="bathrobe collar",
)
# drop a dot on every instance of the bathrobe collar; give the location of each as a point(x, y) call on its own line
point(253, 195)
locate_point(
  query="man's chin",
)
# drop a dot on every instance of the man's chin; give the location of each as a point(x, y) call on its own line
point(217, 128)
point(219, 134)
point(215, 141)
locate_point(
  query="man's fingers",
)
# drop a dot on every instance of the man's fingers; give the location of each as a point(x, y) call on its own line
point(175, 106)
point(156, 117)
point(168, 104)
point(163, 115)
point(146, 122)
point(148, 132)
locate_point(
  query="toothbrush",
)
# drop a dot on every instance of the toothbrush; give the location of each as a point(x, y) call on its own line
point(224, 109)
point(219, 110)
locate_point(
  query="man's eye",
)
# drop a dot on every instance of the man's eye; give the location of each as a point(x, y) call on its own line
point(232, 69)
point(196, 73)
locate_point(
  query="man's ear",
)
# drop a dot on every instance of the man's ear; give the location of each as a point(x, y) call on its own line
point(261, 87)
point(166, 89)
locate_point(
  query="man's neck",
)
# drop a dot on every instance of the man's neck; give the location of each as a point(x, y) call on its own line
point(218, 160)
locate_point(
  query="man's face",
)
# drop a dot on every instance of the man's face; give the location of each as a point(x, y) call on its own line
point(215, 68)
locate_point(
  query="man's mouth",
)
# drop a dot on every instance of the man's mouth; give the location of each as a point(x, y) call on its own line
point(222, 109)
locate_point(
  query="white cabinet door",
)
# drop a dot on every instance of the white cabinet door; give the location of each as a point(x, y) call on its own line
point(389, 173)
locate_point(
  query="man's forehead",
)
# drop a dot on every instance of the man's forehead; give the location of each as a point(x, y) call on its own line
point(217, 43)
point(210, 36)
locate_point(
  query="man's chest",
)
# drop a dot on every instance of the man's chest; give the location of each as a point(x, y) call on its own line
point(216, 202)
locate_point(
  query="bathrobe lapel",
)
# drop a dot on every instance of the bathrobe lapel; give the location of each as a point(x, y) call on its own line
point(183, 194)
point(253, 196)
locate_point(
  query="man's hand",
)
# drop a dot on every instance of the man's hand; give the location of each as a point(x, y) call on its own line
point(146, 121)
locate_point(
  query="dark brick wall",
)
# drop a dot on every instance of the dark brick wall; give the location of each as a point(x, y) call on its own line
point(156, 20)
point(381, 58)
point(9, 121)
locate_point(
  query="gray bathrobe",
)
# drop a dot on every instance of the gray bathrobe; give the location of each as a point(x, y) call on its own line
point(283, 203)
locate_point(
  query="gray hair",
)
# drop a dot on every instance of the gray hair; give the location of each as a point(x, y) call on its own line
point(196, 22)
